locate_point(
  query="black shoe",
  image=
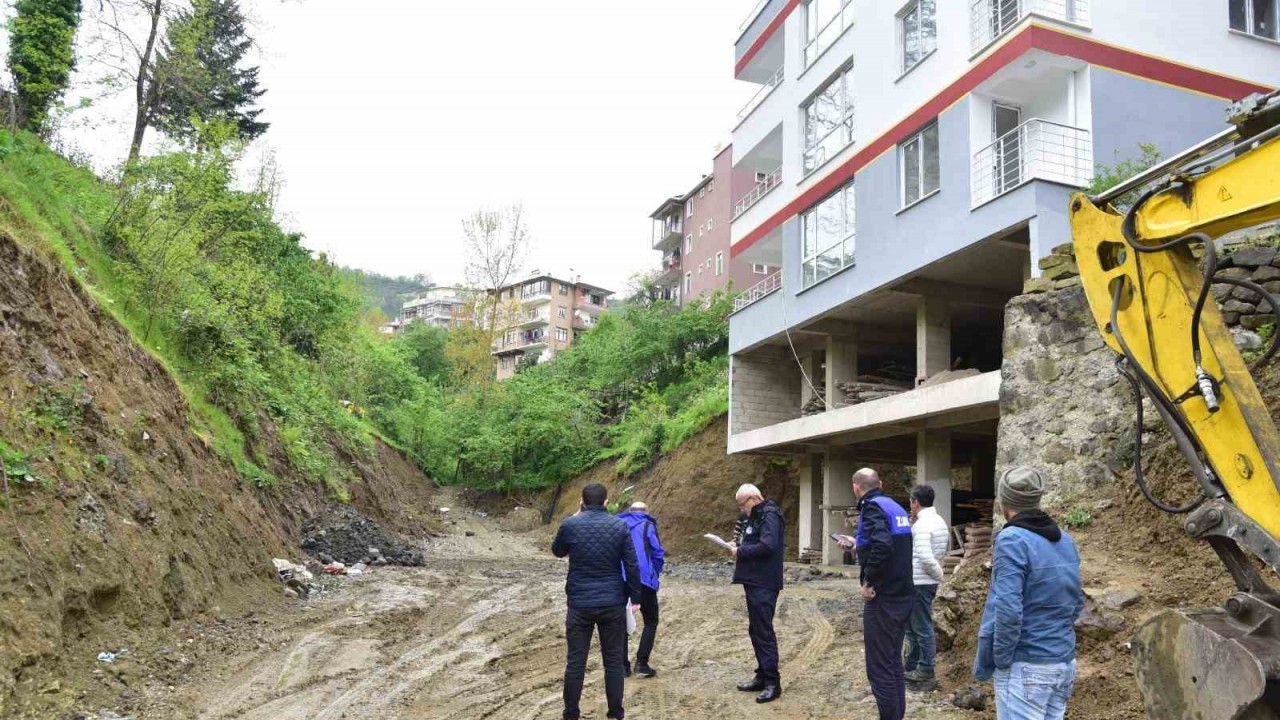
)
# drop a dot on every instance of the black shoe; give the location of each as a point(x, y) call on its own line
point(752, 685)
point(643, 670)
point(626, 671)
point(769, 694)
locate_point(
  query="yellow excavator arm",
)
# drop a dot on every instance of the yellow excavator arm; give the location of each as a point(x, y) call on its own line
point(1147, 270)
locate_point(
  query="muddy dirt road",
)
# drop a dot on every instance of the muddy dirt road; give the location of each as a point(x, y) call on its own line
point(478, 633)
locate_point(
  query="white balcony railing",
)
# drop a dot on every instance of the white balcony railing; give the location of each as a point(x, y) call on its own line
point(1035, 150)
point(759, 290)
point(757, 193)
point(765, 91)
point(989, 19)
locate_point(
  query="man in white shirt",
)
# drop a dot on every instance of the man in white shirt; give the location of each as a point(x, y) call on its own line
point(929, 543)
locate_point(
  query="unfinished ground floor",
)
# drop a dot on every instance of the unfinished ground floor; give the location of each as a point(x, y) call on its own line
point(905, 379)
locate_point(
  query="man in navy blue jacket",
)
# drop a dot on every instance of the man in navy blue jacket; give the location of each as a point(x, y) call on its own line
point(603, 578)
point(759, 571)
point(884, 553)
point(650, 556)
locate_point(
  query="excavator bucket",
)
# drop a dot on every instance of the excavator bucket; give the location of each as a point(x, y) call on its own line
point(1208, 665)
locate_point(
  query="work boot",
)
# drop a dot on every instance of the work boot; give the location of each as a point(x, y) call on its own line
point(919, 676)
point(769, 693)
point(752, 685)
point(643, 670)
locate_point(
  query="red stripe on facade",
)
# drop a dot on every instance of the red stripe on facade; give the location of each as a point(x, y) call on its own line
point(773, 27)
point(1033, 37)
point(1133, 63)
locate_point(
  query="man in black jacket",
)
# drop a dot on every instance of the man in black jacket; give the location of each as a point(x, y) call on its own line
point(884, 552)
point(603, 578)
point(759, 571)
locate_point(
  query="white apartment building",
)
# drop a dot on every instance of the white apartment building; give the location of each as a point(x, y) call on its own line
point(905, 164)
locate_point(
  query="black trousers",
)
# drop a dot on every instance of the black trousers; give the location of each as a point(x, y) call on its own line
point(884, 627)
point(649, 612)
point(761, 603)
point(578, 627)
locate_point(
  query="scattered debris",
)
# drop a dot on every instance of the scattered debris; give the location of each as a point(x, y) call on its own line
point(1099, 625)
point(335, 568)
point(110, 657)
point(1117, 598)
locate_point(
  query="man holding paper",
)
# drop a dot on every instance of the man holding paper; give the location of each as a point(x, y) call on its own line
point(759, 571)
point(603, 577)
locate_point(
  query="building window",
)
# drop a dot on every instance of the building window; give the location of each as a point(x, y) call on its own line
point(759, 269)
point(699, 270)
point(702, 192)
point(828, 121)
point(564, 289)
point(562, 335)
point(699, 231)
point(710, 224)
point(688, 282)
point(824, 21)
point(918, 30)
point(1256, 17)
point(562, 313)
point(688, 208)
point(920, 173)
point(719, 264)
point(827, 236)
point(688, 243)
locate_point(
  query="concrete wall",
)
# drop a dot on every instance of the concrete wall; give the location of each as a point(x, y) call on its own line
point(764, 389)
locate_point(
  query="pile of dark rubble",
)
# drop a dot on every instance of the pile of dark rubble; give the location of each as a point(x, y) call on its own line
point(346, 536)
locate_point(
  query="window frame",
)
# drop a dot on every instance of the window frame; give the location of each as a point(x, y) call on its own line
point(812, 39)
point(688, 282)
point(562, 335)
point(1250, 20)
point(907, 10)
point(903, 161)
point(710, 224)
point(688, 208)
point(846, 199)
point(719, 263)
point(759, 269)
point(847, 121)
point(688, 244)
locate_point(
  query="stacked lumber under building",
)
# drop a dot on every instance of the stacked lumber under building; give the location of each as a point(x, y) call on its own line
point(871, 387)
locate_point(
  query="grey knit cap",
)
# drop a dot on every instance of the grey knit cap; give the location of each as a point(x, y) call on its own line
point(1020, 489)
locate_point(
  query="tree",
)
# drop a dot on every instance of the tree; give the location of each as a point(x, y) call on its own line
point(42, 55)
point(200, 73)
point(426, 346)
point(497, 243)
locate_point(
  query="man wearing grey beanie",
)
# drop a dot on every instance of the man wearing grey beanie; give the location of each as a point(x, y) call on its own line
point(1027, 640)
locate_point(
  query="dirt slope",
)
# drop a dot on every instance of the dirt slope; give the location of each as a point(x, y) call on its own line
point(690, 492)
point(119, 520)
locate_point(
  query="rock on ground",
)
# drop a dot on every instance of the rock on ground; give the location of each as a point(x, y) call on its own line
point(348, 537)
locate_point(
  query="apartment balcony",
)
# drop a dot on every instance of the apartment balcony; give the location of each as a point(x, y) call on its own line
point(583, 321)
point(535, 319)
point(535, 297)
point(989, 20)
point(670, 267)
point(766, 184)
point(760, 47)
point(759, 291)
point(1036, 150)
point(668, 231)
point(761, 95)
point(594, 305)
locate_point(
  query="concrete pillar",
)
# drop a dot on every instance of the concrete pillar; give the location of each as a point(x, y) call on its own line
point(842, 365)
point(806, 366)
point(933, 337)
point(837, 493)
point(810, 516)
point(933, 467)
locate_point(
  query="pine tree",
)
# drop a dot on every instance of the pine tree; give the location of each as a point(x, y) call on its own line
point(42, 55)
point(200, 73)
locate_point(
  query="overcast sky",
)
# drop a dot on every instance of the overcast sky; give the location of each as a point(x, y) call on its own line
point(391, 120)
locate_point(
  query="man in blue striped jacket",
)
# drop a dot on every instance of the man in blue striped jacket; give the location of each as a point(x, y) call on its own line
point(884, 552)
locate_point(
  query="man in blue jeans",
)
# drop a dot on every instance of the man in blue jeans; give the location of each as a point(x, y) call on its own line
point(1027, 640)
point(929, 544)
point(603, 577)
